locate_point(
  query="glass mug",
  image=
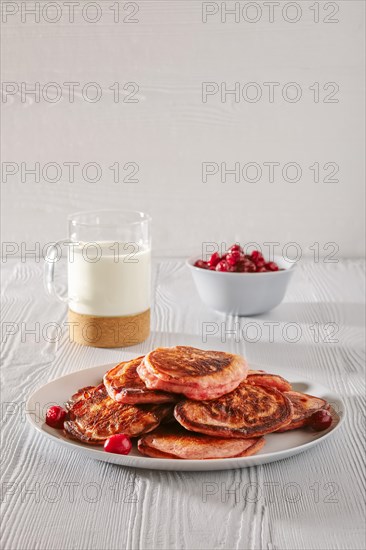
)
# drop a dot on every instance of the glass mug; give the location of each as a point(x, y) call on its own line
point(108, 277)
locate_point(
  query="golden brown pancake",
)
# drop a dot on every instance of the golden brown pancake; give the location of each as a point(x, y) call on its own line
point(259, 378)
point(93, 416)
point(181, 444)
point(304, 406)
point(248, 411)
point(196, 373)
point(124, 385)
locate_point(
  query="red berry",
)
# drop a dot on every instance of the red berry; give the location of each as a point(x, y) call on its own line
point(271, 266)
point(233, 257)
point(320, 420)
point(222, 266)
point(259, 263)
point(214, 260)
point(249, 266)
point(55, 417)
point(257, 255)
point(119, 444)
point(236, 248)
point(230, 260)
point(261, 269)
point(201, 264)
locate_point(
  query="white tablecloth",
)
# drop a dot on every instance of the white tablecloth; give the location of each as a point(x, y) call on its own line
point(54, 499)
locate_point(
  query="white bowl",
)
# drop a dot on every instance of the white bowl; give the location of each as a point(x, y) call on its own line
point(242, 293)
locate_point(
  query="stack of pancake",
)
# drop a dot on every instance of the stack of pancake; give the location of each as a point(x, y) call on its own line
point(188, 403)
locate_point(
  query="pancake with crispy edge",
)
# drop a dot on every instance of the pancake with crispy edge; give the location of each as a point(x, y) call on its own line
point(93, 416)
point(304, 406)
point(196, 373)
point(124, 385)
point(261, 378)
point(248, 411)
point(179, 443)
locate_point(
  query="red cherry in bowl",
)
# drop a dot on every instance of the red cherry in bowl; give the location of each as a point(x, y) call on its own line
point(201, 264)
point(271, 266)
point(55, 417)
point(214, 260)
point(259, 263)
point(320, 420)
point(119, 444)
point(222, 266)
point(257, 256)
point(249, 266)
point(236, 248)
point(233, 257)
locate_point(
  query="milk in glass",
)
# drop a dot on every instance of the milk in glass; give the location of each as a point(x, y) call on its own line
point(109, 278)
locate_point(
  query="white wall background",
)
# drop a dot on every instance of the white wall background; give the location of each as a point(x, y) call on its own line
point(169, 132)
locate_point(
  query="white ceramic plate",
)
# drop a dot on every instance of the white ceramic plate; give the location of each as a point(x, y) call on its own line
point(278, 446)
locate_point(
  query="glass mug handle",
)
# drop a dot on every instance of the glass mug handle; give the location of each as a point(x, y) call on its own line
point(52, 257)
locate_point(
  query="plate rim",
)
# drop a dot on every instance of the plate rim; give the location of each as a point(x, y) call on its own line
point(140, 461)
